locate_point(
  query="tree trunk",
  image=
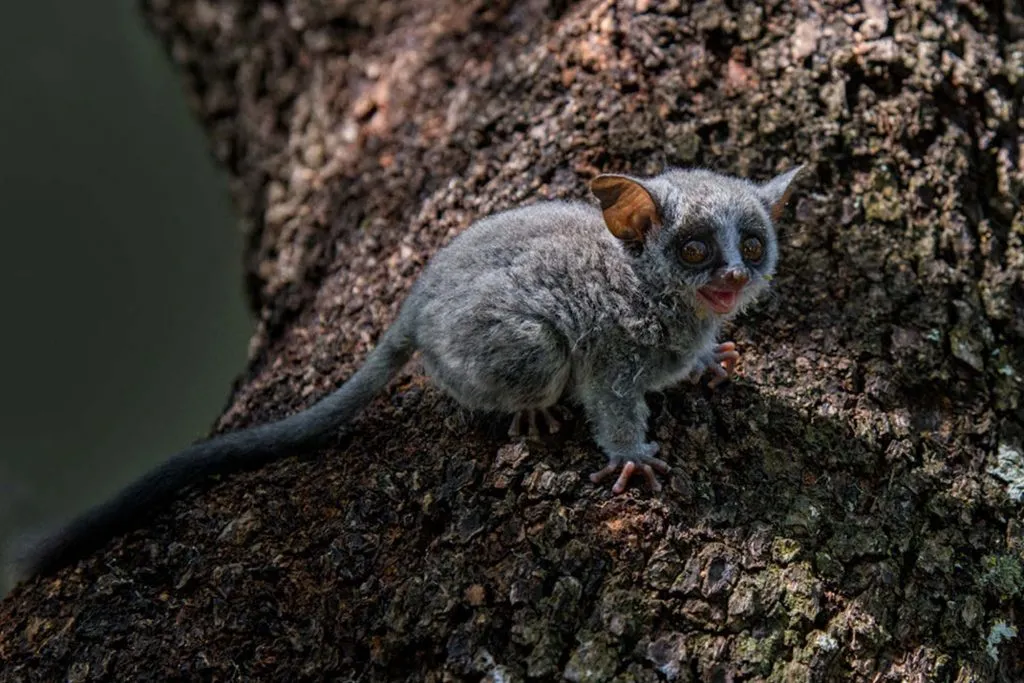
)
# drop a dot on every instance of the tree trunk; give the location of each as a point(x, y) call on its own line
point(848, 509)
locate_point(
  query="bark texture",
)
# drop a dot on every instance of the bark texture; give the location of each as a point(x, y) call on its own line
point(848, 509)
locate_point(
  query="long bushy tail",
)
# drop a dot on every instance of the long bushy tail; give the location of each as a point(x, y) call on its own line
point(232, 452)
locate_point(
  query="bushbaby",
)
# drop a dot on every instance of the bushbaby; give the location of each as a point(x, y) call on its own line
point(525, 307)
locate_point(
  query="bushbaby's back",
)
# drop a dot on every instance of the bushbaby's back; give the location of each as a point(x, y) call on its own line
point(552, 261)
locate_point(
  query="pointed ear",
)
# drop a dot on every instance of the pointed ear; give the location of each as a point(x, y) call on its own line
point(775, 193)
point(629, 210)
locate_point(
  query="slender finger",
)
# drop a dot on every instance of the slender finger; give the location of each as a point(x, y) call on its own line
point(513, 430)
point(727, 356)
point(659, 465)
point(727, 366)
point(553, 424)
point(598, 476)
point(533, 431)
point(623, 480)
point(725, 346)
point(652, 481)
point(721, 374)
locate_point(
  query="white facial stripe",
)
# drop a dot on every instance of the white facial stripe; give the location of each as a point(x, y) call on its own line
point(728, 234)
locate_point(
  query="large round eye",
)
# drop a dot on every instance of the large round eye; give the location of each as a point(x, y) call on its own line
point(753, 249)
point(695, 252)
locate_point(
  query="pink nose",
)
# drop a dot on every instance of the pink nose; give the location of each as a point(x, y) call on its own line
point(736, 278)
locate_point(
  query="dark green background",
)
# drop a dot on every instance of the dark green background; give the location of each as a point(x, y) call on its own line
point(123, 316)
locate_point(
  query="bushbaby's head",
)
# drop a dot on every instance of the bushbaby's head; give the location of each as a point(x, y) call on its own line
point(706, 237)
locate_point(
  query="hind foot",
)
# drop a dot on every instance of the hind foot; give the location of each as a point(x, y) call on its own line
point(640, 461)
point(533, 431)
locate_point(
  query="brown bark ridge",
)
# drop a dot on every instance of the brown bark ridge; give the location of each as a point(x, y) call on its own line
point(848, 509)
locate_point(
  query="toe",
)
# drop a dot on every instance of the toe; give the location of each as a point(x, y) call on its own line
point(513, 429)
point(659, 465)
point(531, 425)
point(553, 424)
point(604, 473)
point(652, 481)
point(624, 477)
point(721, 375)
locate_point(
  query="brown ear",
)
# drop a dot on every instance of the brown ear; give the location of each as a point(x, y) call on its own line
point(775, 193)
point(629, 209)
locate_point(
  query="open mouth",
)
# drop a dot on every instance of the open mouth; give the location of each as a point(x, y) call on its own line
point(720, 301)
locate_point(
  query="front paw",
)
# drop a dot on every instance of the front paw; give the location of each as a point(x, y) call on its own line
point(721, 361)
point(641, 459)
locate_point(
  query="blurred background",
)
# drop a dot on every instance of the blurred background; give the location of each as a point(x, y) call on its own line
point(123, 316)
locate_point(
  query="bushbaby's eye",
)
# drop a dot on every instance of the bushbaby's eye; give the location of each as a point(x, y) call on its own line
point(695, 252)
point(753, 249)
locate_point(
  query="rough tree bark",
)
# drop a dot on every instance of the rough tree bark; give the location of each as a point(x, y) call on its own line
point(848, 509)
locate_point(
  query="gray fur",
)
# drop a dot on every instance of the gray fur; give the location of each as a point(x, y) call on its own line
point(523, 308)
point(541, 301)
